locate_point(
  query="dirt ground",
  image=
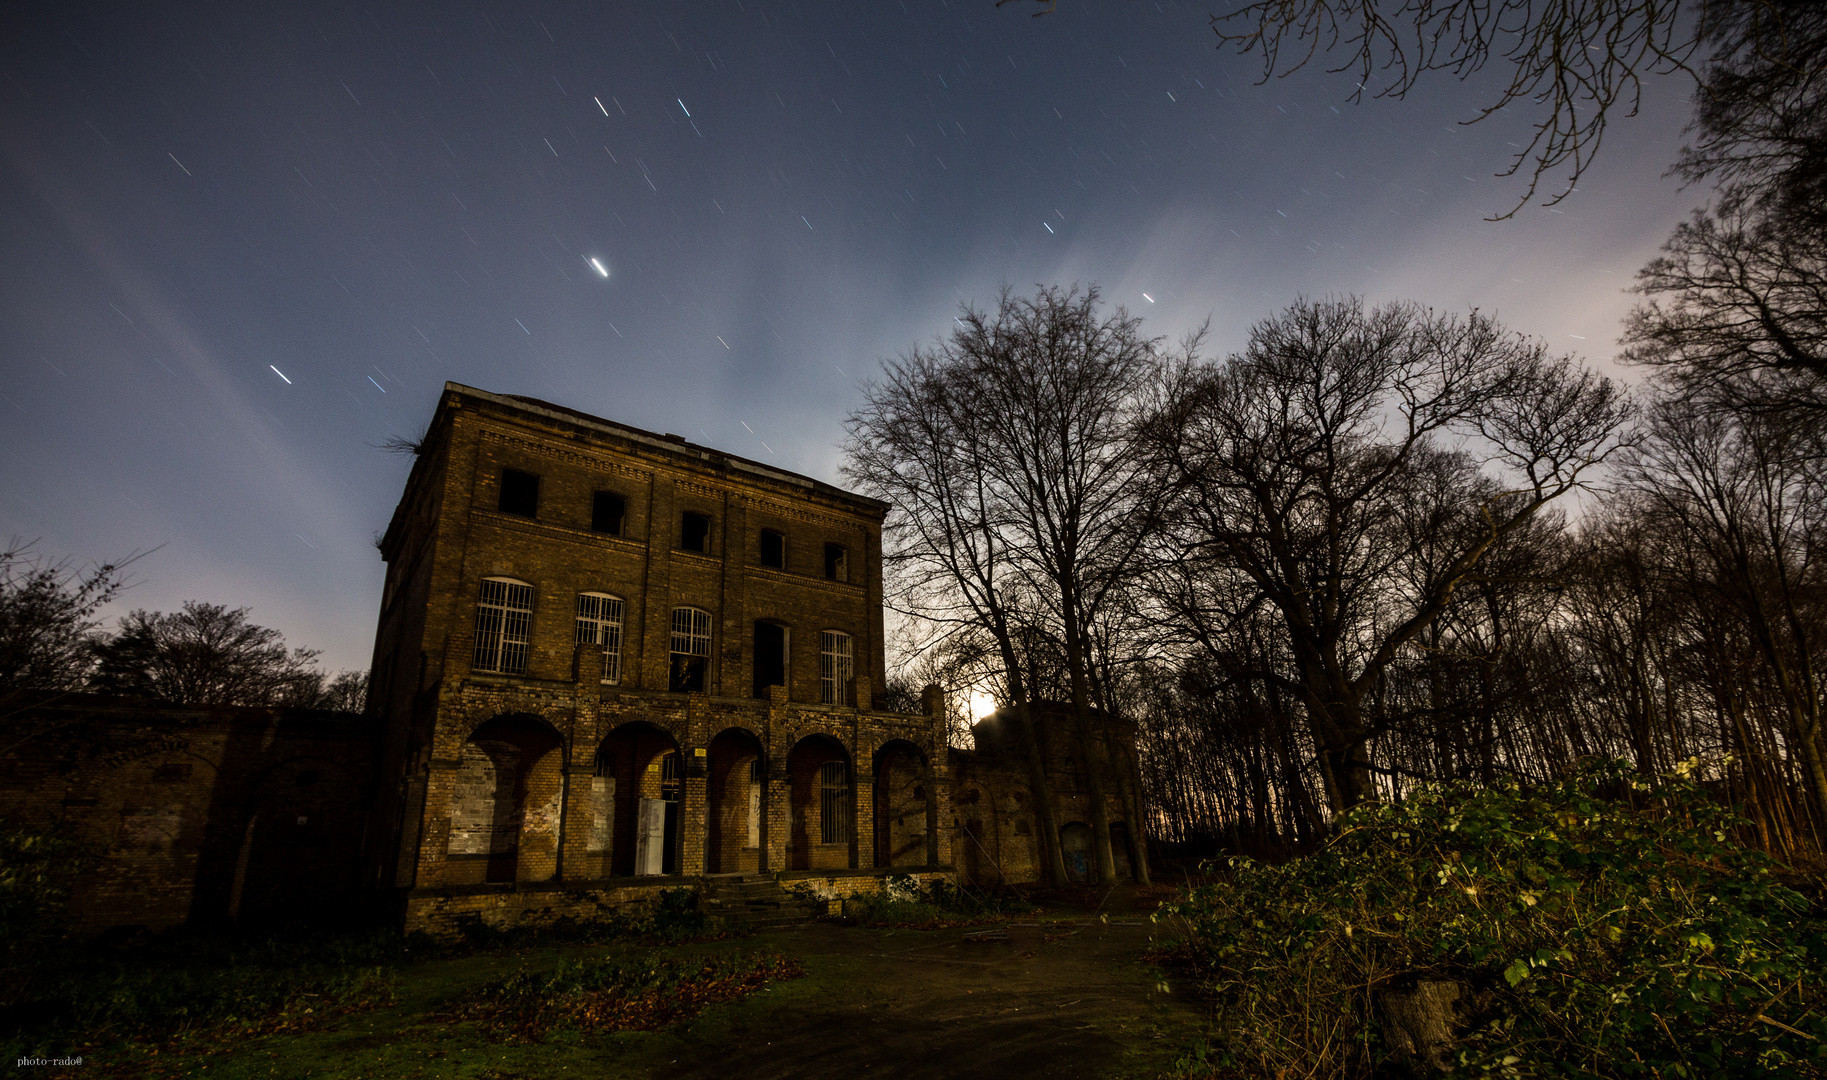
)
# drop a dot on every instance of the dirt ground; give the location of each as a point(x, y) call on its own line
point(1050, 1000)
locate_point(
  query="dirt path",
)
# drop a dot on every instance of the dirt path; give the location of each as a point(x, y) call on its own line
point(1052, 1000)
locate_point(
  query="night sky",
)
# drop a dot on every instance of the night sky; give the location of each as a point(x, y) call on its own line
point(246, 244)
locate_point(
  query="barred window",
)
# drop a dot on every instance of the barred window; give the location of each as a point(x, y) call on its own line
point(690, 649)
point(833, 803)
point(835, 667)
point(504, 624)
point(599, 622)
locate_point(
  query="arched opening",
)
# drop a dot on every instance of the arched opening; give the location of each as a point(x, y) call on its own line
point(505, 804)
point(295, 861)
point(735, 782)
point(822, 830)
point(634, 802)
point(1075, 846)
point(903, 810)
point(1119, 849)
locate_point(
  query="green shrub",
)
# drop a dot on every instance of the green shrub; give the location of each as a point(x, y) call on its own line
point(903, 902)
point(1597, 929)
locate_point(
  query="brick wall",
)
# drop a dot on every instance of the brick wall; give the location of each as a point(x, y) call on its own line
point(201, 816)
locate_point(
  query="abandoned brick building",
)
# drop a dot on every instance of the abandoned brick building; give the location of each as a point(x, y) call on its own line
point(607, 657)
point(607, 662)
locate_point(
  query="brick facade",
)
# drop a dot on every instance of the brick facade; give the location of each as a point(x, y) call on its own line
point(730, 738)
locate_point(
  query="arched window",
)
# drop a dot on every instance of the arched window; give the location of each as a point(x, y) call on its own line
point(504, 626)
point(690, 649)
point(599, 622)
point(835, 667)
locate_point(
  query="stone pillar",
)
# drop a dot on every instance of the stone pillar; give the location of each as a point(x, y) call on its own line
point(932, 700)
point(862, 844)
point(777, 795)
point(940, 792)
point(435, 839)
point(578, 813)
point(694, 816)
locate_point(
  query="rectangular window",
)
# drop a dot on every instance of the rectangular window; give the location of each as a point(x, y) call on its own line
point(599, 622)
point(690, 649)
point(606, 510)
point(694, 532)
point(773, 549)
point(833, 803)
point(834, 563)
point(504, 624)
point(519, 493)
point(835, 667)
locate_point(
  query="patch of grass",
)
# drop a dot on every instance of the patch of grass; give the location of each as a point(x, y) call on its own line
point(641, 993)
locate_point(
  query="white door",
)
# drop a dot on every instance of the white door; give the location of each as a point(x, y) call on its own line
point(650, 845)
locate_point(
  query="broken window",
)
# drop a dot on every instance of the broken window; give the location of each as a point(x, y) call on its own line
point(770, 657)
point(519, 493)
point(504, 626)
point(694, 532)
point(773, 549)
point(834, 563)
point(606, 510)
point(599, 622)
point(690, 649)
point(833, 803)
point(835, 667)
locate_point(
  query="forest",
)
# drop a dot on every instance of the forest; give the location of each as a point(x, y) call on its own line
point(1381, 545)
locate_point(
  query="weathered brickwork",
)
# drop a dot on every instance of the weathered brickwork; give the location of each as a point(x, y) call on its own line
point(192, 815)
point(996, 837)
point(649, 661)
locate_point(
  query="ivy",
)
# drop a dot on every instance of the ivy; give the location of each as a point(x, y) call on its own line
point(1599, 927)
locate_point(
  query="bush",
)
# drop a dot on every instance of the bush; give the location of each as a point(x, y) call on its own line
point(1587, 928)
point(35, 872)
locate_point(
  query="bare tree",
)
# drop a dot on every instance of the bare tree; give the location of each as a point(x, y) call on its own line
point(1023, 506)
point(47, 617)
point(914, 444)
point(1737, 308)
point(1294, 465)
point(205, 654)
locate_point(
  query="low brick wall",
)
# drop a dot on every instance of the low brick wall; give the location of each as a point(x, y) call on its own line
point(445, 912)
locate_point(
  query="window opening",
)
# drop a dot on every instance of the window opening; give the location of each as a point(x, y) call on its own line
point(606, 509)
point(833, 787)
point(669, 776)
point(599, 622)
point(834, 563)
point(773, 549)
point(504, 623)
point(694, 532)
point(519, 493)
point(770, 657)
point(835, 667)
point(690, 649)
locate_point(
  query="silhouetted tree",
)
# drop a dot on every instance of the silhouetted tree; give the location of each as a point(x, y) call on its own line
point(205, 654)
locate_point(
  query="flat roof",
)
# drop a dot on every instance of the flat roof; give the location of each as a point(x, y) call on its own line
point(674, 443)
